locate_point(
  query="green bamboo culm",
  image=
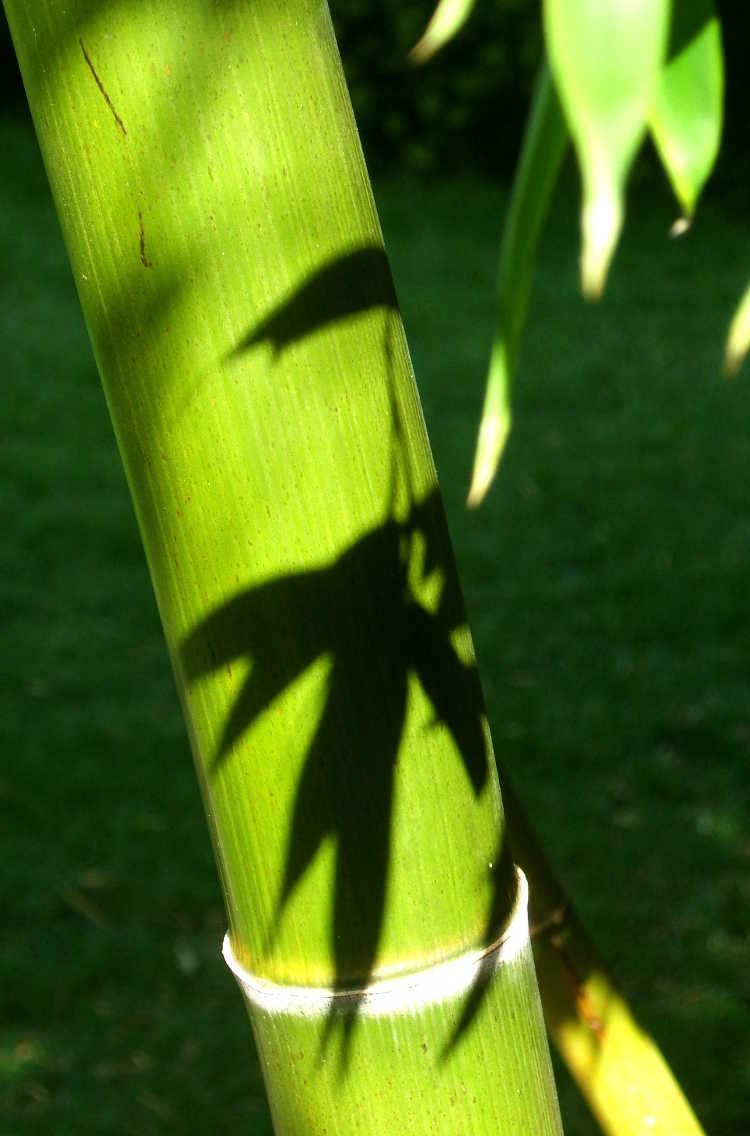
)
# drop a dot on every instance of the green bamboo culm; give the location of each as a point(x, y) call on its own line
point(226, 249)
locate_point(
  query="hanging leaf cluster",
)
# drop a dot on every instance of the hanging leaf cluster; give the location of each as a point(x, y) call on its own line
point(616, 71)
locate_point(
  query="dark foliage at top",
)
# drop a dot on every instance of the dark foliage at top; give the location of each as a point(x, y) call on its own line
point(467, 107)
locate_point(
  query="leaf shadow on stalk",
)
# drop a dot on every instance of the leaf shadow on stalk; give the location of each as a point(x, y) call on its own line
point(359, 612)
point(362, 613)
point(349, 284)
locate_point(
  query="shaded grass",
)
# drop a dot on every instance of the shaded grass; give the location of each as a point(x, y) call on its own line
point(606, 583)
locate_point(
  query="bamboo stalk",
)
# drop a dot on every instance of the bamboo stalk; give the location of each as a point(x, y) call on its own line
point(617, 1067)
point(226, 250)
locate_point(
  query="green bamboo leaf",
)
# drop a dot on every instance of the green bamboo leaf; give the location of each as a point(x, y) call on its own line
point(686, 116)
point(447, 19)
point(606, 56)
point(541, 155)
point(738, 339)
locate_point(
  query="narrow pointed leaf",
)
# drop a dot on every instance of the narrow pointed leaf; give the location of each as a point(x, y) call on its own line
point(686, 116)
point(606, 57)
point(738, 339)
point(538, 167)
point(447, 19)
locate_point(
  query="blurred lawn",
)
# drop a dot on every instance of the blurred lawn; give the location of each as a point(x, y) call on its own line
point(607, 583)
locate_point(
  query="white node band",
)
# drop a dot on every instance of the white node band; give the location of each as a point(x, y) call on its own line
point(433, 984)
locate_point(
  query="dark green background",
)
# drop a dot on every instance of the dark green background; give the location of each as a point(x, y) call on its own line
point(466, 109)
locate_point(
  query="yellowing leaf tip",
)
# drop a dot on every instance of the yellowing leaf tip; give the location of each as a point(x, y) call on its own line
point(679, 227)
point(447, 19)
point(423, 50)
point(493, 434)
point(601, 224)
point(732, 362)
point(738, 339)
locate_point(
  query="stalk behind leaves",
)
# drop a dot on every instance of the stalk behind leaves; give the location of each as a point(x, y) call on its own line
point(617, 1067)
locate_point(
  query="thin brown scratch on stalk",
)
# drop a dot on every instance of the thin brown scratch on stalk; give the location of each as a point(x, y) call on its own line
point(142, 243)
point(100, 85)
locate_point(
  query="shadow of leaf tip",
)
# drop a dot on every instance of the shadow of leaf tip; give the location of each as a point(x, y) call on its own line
point(347, 285)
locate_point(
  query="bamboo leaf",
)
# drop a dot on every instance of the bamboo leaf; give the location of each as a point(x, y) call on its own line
point(738, 339)
point(686, 116)
point(538, 167)
point(447, 19)
point(606, 56)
